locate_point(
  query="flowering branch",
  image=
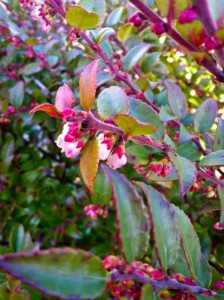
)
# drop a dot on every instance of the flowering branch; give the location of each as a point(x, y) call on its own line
point(209, 24)
point(154, 18)
point(159, 284)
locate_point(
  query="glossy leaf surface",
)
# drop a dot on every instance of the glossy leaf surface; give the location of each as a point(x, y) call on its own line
point(80, 18)
point(133, 220)
point(76, 274)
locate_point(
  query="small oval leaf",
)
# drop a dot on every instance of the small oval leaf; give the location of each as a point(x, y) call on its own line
point(111, 102)
point(63, 273)
point(80, 18)
point(221, 197)
point(89, 163)
point(104, 34)
point(133, 220)
point(87, 85)
point(132, 126)
point(49, 109)
point(186, 171)
point(213, 159)
point(176, 98)
point(205, 115)
point(219, 140)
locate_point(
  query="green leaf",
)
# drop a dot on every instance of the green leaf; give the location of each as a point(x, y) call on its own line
point(80, 18)
point(16, 94)
point(185, 136)
point(102, 191)
point(219, 140)
point(186, 171)
point(135, 55)
point(87, 85)
point(115, 16)
point(146, 114)
point(97, 6)
point(104, 34)
point(221, 197)
point(213, 159)
point(30, 69)
point(111, 102)
point(4, 291)
point(148, 294)
point(132, 126)
point(22, 295)
point(193, 32)
point(176, 98)
point(19, 240)
point(173, 7)
point(49, 109)
point(205, 115)
point(197, 264)
point(63, 273)
point(166, 114)
point(148, 61)
point(7, 153)
point(133, 220)
point(124, 31)
point(166, 237)
point(89, 163)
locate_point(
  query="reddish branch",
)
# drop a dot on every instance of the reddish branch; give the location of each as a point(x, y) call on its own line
point(155, 18)
point(159, 284)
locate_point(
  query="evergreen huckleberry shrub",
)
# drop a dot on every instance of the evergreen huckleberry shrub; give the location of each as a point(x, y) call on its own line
point(112, 149)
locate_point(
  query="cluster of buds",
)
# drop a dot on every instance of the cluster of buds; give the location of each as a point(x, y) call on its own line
point(136, 19)
point(211, 191)
point(161, 168)
point(40, 11)
point(115, 156)
point(71, 34)
point(94, 211)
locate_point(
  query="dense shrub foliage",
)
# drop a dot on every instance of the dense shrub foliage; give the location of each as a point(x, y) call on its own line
point(112, 149)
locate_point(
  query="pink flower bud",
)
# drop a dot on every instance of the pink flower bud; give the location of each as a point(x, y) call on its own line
point(158, 28)
point(218, 285)
point(117, 158)
point(187, 16)
point(64, 98)
point(218, 226)
point(105, 145)
point(211, 43)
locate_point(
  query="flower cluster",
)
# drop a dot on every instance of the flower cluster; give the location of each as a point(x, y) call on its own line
point(40, 11)
point(116, 157)
point(93, 211)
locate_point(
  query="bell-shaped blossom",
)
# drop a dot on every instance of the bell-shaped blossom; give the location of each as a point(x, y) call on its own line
point(64, 98)
point(71, 149)
point(106, 142)
point(117, 158)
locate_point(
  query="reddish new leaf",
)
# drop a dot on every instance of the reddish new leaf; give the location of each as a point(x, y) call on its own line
point(87, 85)
point(48, 109)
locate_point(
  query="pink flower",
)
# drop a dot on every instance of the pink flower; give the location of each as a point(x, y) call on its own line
point(64, 98)
point(211, 43)
point(71, 149)
point(187, 16)
point(106, 142)
point(117, 158)
point(158, 28)
point(218, 226)
point(93, 211)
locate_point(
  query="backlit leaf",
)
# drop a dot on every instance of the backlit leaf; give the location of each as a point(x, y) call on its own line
point(80, 18)
point(132, 126)
point(96, 6)
point(49, 109)
point(87, 85)
point(89, 163)
point(173, 7)
point(64, 273)
point(133, 221)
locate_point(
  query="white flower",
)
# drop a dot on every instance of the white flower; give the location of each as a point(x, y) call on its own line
point(117, 158)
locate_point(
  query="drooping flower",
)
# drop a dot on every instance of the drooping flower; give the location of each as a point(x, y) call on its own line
point(117, 158)
point(106, 142)
point(70, 148)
